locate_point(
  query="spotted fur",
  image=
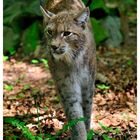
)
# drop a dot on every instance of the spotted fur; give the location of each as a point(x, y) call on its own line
point(71, 53)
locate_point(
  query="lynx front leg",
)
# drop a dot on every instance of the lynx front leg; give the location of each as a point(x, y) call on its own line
point(87, 93)
point(74, 111)
point(72, 105)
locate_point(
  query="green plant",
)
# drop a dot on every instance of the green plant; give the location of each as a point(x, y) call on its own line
point(97, 26)
point(110, 129)
point(34, 61)
point(8, 87)
point(5, 58)
point(45, 108)
point(105, 137)
point(45, 62)
point(21, 25)
point(67, 127)
point(26, 87)
point(90, 135)
point(20, 96)
point(27, 134)
point(84, 1)
point(30, 38)
point(130, 62)
point(20, 125)
point(50, 82)
point(103, 86)
point(42, 60)
point(96, 4)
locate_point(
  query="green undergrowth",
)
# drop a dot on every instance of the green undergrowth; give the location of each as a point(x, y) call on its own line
point(30, 136)
point(41, 60)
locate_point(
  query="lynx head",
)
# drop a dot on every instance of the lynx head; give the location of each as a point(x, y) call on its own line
point(65, 33)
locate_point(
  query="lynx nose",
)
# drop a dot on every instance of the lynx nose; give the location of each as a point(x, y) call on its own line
point(58, 50)
point(54, 47)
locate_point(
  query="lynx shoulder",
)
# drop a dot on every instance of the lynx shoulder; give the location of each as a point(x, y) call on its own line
point(71, 55)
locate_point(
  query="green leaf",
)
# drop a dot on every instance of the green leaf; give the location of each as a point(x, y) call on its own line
point(110, 129)
point(5, 58)
point(13, 11)
point(68, 126)
point(34, 8)
point(11, 39)
point(98, 4)
point(12, 137)
point(50, 82)
point(103, 86)
point(84, 1)
point(8, 87)
point(130, 62)
point(106, 137)
point(31, 38)
point(20, 95)
point(97, 26)
point(128, 2)
point(20, 125)
point(38, 138)
point(90, 135)
point(45, 108)
point(117, 130)
point(103, 126)
point(26, 87)
point(34, 61)
point(45, 62)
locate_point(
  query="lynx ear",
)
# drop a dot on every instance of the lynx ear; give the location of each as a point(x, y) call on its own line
point(46, 14)
point(82, 17)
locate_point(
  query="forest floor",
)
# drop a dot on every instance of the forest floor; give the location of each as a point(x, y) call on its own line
point(30, 97)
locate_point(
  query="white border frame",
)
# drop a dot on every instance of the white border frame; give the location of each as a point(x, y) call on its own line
point(1, 70)
point(138, 70)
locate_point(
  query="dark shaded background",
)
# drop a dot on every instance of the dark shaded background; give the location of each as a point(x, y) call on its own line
point(111, 21)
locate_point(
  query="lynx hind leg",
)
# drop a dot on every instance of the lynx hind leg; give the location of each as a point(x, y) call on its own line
point(87, 93)
point(74, 110)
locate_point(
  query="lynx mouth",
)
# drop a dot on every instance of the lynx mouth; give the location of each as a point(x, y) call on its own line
point(63, 54)
point(59, 51)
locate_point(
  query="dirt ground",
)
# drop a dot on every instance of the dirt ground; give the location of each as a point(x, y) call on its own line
point(29, 96)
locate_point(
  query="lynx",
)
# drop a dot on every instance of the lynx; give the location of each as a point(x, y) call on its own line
point(70, 51)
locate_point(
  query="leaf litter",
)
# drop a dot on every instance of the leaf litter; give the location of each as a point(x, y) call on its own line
point(33, 98)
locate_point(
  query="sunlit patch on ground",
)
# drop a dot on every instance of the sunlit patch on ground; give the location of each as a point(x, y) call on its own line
point(30, 96)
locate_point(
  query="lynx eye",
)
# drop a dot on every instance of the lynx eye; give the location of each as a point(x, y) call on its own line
point(50, 32)
point(67, 33)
